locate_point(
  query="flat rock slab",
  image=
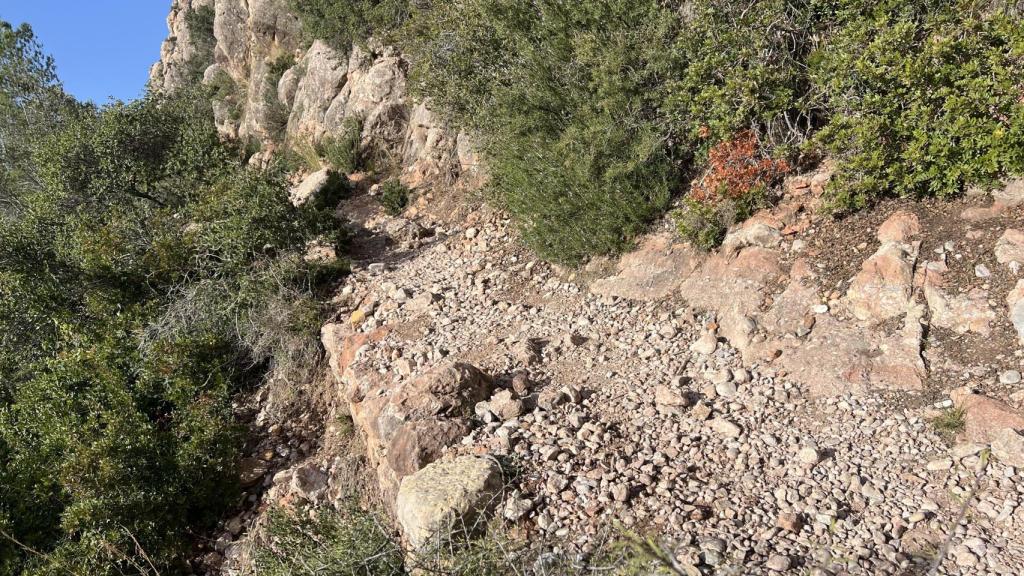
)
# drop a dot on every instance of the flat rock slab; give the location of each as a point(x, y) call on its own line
point(446, 497)
point(651, 272)
point(961, 313)
point(840, 357)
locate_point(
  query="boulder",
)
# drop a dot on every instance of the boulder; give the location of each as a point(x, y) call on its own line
point(751, 233)
point(309, 482)
point(961, 313)
point(1010, 247)
point(420, 442)
point(900, 227)
point(445, 498)
point(882, 288)
point(1010, 196)
point(325, 74)
point(310, 187)
point(735, 286)
point(405, 422)
point(1008, 447)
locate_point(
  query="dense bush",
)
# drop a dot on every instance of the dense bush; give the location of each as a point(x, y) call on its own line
point(394, 197)
point(924, 97)
point(593, 114)
point(146, 277)
point(566, 97)
point(342, 22)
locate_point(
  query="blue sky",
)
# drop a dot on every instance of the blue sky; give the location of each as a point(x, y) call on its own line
point(103, 48)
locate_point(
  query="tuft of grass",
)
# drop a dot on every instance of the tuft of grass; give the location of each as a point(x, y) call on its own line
point(951, 422)
point(350, 541)
point(343, 152)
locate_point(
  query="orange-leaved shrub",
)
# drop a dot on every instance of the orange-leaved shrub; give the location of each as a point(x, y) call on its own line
point(734, 184)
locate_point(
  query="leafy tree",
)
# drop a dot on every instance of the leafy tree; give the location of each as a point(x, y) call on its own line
point(146, 276)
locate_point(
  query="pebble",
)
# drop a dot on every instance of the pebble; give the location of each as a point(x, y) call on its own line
point(809, 455)
point(778, 563)
point(725, 428)
point(1010, 377)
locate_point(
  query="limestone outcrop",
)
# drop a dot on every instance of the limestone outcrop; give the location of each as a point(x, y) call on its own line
point(311, 100)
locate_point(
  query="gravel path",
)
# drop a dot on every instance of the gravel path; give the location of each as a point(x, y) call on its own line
point(637, 415)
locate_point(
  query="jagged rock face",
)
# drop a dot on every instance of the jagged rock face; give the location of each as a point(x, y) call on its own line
point(312, 100)
point(180, 47)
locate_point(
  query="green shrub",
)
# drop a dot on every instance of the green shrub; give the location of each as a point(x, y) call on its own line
point(589, 112)
point(343, 152)
point(200, 22)
point(701, 223)
point(924, 98)
point(741, 68)
point(146, 276)
point(394, 197)
point(277, 112)
point(566, 98)
point(341, 23)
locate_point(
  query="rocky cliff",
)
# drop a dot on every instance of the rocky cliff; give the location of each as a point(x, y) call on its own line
point(241, 46)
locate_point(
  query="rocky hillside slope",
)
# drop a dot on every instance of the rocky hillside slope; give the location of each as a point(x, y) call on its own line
point(318, 91)
point(815, 397)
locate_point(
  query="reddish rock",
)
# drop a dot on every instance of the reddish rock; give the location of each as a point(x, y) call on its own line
point(985, 417)
point(651, 272)
point(405, 424)
point(734, 286)
point(900, 227)
point(839, 357)
point(420, 442)
point(790, 310)
point(882, 289)
point(1010, 247)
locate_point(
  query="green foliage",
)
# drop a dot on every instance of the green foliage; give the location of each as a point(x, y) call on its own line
point(350, 542)
point(741, 68)
point(343, 152)
point(590, 112)
point(341, 23)
point(701, 223)
point(566, 97)
point(924, 98)
point(31, 105)
point(276, 111)
point(950, 422)
point(394, 196)
point(146, 276)
point(199, 22)
point(705, 223)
